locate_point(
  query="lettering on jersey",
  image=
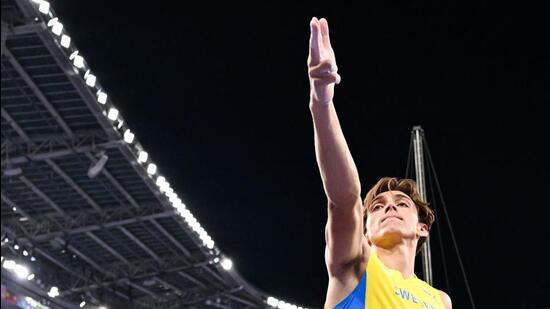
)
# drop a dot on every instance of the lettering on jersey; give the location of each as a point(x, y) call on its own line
point(414, 299)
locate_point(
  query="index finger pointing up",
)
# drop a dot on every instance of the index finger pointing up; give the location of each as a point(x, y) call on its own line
point(323, 24)
point(314, 53)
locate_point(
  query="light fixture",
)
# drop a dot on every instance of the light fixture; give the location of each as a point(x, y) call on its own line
point(54, 292)
point(44, 7)
point(227, 264)
point(65, 41)
point(101, 97)
point(90, 80)
point(57, 28)
point(113, 113)
point(10, 171)
point(128, 136)
point(21, 271)
point(151, 169)
point(30, 277)
point(25, 253)
point(78, 61)
point(95, 168)
point(142, 156)
point(82, 304)
point(9, 264)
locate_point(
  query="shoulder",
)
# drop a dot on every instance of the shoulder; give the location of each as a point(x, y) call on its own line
point(445, 299)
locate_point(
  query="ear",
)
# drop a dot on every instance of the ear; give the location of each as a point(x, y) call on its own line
point(422, 229)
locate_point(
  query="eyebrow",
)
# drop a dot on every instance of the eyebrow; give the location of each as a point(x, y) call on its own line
point(395, 196)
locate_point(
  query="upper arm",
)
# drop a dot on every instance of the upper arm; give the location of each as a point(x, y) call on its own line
point(344, 236)
point(446, 300)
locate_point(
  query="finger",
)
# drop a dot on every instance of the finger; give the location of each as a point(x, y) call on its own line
point(324, 33)
point(327, 80)
point(325, 68)
point(314, 55)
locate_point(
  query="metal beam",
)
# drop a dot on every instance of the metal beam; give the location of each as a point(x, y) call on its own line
point(115, 183)
point(170, 237)
point(52, 146)
point(37, 92)
point(139, 243)
point(43, 253)
point(44, 197)
point(191, 278)
point(18, 209)
point(107, 247)
point(73, 184)
point(15, 126)
point(120, 257)
point(28, 28)
point(76, 223)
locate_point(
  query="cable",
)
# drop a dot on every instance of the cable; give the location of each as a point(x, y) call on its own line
point(449, 224)
point(440, 237)
point(409, 157)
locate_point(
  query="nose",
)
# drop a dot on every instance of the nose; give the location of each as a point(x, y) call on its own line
point(390, 206)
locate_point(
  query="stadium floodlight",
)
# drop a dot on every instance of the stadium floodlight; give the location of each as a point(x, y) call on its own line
point(113, 113)
point(101, 97)
point(44, 7)
point(9, 264)
point(160, 180)
point(128, 136)
point(227, 264)
point(57, 28)
point(21, 271)
point(142, 156)
point(52, 22)
point(90, 80)
point(95, 168)
point(78, 61)
point(151, 169)
point(30, 277)
point(65, 41)
point(54, 292)
point(272, 301)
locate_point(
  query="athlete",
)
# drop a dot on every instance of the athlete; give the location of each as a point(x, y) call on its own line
point(370, 245)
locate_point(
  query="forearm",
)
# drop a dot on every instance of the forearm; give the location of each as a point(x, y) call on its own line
point(338, 170)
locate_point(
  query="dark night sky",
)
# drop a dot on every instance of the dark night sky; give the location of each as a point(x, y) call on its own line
point(217, 93)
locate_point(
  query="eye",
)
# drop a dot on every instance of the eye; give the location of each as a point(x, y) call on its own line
point(375, 207)
point(403, 204)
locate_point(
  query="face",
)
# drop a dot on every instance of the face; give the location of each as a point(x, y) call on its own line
point(392, 217)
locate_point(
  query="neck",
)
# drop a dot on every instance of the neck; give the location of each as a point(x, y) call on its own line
point(399, 257)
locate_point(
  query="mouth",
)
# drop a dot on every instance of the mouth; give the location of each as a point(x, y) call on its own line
point(391, 217)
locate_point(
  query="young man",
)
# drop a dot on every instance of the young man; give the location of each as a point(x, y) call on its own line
point(370, 248)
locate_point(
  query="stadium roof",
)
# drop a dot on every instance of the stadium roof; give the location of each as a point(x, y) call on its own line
point(80, 195)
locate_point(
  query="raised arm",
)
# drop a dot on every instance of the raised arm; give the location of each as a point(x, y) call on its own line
point(338, 171)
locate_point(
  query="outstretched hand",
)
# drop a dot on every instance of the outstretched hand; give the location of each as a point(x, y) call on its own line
point(322, 69)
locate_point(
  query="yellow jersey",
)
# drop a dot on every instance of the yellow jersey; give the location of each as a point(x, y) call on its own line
point(381, 287)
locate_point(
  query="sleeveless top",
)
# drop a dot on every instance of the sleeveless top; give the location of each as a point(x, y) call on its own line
point(382, 287)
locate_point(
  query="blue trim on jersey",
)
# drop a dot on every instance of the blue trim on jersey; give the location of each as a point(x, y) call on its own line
point(356, 299)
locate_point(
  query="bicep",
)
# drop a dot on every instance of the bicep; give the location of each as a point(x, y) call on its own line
point(344, 236)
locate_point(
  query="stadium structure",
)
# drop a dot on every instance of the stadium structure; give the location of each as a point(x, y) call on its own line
point(88, 219)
